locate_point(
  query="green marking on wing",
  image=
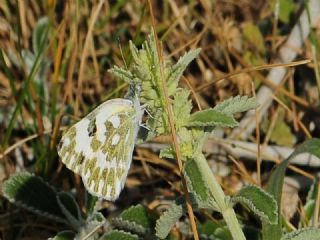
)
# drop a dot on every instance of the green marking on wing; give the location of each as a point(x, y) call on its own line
point(95, 144)
point(120, 151)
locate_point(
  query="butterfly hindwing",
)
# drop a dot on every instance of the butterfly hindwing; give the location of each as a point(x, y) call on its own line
point(107, 168)
point(100, 146)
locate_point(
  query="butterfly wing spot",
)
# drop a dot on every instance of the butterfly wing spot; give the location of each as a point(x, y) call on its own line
point(115, 139)
point(115, 120)
point(92, 128)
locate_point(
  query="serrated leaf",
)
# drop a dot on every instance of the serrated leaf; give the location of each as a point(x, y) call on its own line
point(64, 235)
point(34, 194)
point(211, 118)
point(303, 234)
point(137, 219)
point(70, 209)
point(275, 185)
point(191, 142)
point(168, 219)
point(39, 35)
point(259, 201)
point(123, 74)
point(177, 70)
point(119, 235)
point(236, 104)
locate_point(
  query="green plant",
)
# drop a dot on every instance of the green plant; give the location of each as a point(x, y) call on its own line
point(169, 111)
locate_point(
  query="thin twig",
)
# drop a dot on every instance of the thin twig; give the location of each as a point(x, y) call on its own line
point(85, 53)
point(173, 131)
point(287, 53)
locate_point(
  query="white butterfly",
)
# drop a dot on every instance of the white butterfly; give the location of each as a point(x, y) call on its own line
point(99, 147)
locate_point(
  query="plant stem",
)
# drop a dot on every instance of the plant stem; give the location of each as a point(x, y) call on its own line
point(233, 225)
point(220, 198)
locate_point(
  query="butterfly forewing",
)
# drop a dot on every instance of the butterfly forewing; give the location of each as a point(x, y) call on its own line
point(100, 146)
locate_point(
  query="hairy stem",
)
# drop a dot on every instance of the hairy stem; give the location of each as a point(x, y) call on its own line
point(220, 198)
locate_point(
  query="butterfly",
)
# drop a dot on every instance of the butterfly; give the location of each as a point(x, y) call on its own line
point(100, 146)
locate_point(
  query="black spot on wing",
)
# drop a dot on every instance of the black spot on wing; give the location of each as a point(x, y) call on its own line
point(92, 127)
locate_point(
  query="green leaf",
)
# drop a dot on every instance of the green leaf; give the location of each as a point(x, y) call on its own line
point(259, 201)
point(119, 235)
point(70, 209)
point(181, 107)
point(275, 184)
point(90, 201)
point(32, 193)
point(303, 234)
point(90, 229)
point(287, 7)
point(195, 181)
point(123, 74)
point(177, 70)
point(281, 132)
point(309, 207)
point(214, 230)
point(137, 219)
point(39, 35)
point(236, 104)
point(64, 235)
point(252, 34)
point(211, 118)
point(191, 142)
point(168, 219)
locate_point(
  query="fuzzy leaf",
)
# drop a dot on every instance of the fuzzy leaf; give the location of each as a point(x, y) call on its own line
point(236, 104)
point(168, 219)
point(89, 229)
point(211, 118)
point(137, 219)
point(181, 107)
point(259, 201)
point(64, 235)
point(191, 142)
point(32, 193)
point(303, 234)
point(119, 235)
point(275, 185)
point(123, 74)
point(70, 209)
point(195, 181)
point(214, 230)
point(177, 70)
